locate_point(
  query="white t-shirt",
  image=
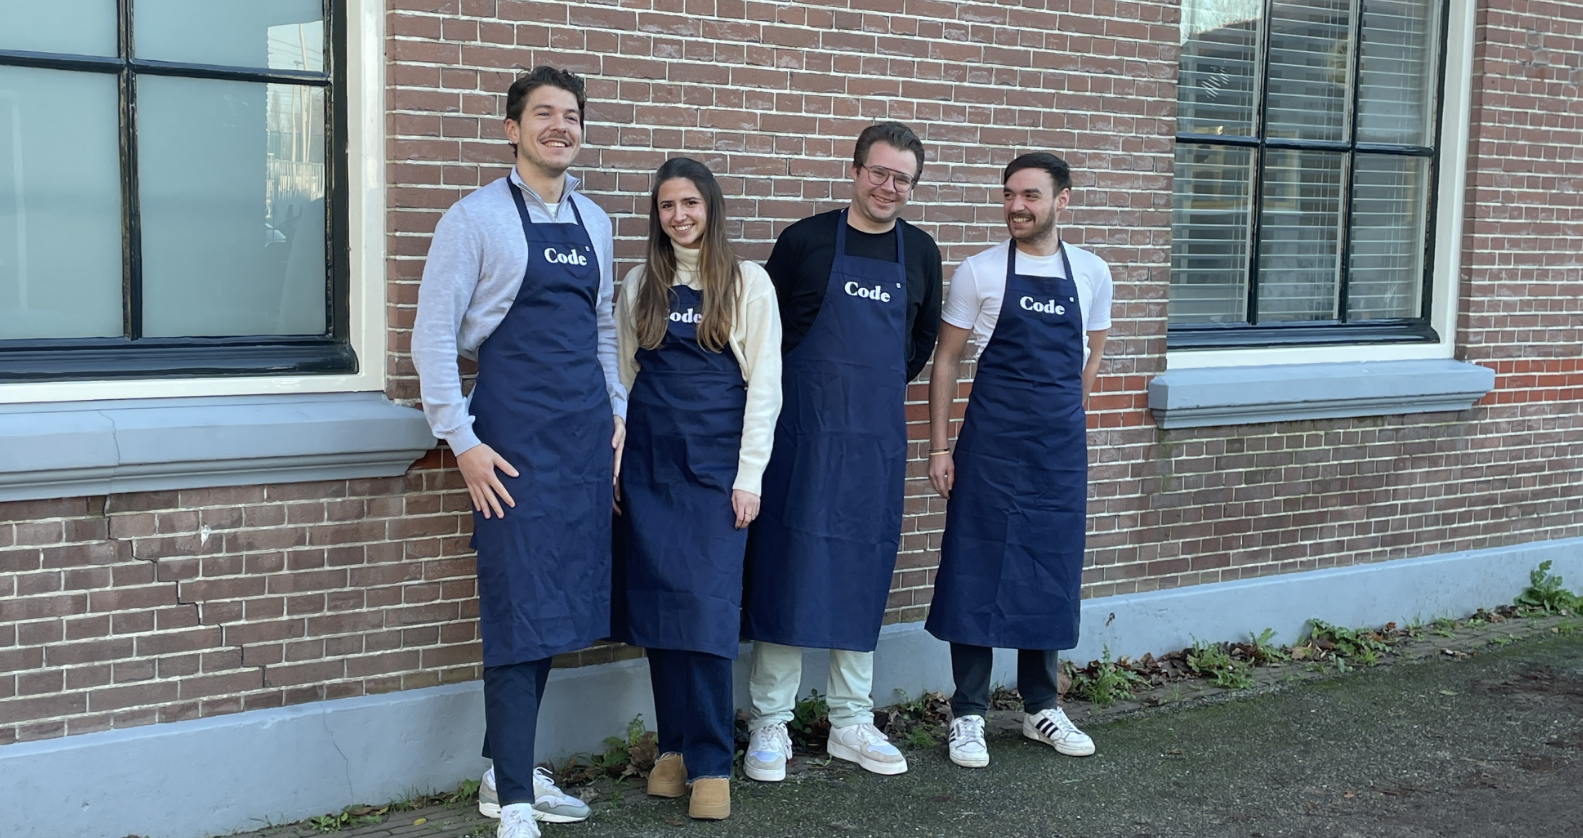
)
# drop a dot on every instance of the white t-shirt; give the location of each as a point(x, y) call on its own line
point(979, 284)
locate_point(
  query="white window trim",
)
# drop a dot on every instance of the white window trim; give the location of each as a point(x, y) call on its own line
point(365, 102)
point(1454, 132)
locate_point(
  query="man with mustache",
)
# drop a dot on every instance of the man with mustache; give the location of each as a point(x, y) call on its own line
point(1011, 559)
point(519, 277)
point(859, 295)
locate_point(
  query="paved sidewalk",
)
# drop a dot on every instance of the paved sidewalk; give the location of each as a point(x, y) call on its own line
point(1489, 745)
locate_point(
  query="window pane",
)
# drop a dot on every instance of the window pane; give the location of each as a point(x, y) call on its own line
point(1218, 84)
point(1390, 200)
point(277, 34)
point(1310, 61)
point(231, 179)
point(1299, 235)
point(1397, 72)
point(77, 27)
point(60, 205)
point(1211, 207)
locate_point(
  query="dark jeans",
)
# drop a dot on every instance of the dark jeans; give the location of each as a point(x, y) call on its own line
point(511, 720)
point(695, 715)
point(970, 667)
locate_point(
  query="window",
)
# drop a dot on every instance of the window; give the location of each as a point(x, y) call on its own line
point(1306, 169)
point(172, 189)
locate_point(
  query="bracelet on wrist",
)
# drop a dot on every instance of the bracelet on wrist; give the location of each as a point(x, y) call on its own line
point(935, 452)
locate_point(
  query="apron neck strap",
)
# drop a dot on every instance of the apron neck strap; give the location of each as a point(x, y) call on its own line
point(1060, 247)
point(840, 241)
point(522, 207)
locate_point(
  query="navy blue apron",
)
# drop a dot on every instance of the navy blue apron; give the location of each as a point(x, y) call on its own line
point(679, 563)
point(824, 545)
point(541, 403)
point(1011, 561)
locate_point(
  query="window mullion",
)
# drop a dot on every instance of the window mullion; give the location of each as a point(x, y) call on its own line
point(1354, 79)
point(131, 229)
point(1261, 130)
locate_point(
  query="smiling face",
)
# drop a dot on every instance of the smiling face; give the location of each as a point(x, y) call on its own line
point(1031, 203)
point(550, 132)
point(880, 204)
point(683, 214)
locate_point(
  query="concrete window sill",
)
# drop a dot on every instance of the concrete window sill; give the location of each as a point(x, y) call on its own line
point(69, 449)
point(1197, 398)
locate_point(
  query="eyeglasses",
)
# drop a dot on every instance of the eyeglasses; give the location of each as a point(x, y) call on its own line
point(878, 175)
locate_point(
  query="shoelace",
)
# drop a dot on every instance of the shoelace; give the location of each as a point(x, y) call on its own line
point(1049, 725)
point(772, 739)
point(968, 728)
point(870, 736)
point(517, 825)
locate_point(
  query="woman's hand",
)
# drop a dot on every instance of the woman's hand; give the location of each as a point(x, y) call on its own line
point(942, 473)
point(746, 505)
point(618, 441)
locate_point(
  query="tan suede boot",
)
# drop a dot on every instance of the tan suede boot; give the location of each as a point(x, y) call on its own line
point(668, 778)
point(711, 800)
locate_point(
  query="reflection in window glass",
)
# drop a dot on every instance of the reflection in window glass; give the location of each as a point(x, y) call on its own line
point(274, 34)
point(1217, 89)
point(1212, 205)
point(232, 185)
point(1386, 261)
point(1310, 66)
point(1397, 73)
point(60, 205)
point(1300, 235)
point(74, 27)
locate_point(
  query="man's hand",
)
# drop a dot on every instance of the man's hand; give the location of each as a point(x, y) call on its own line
point(478, 465)
point(942, 474)
point(618, 441)
point(746, 506)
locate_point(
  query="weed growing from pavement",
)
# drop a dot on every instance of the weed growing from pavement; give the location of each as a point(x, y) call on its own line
point(1105, 682)
point(1545, 594)
point(810, 724)
point(1213, 661)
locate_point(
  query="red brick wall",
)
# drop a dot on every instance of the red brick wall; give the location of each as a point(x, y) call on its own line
point(119, 611)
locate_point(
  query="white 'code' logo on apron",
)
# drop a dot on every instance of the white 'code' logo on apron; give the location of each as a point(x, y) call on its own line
point(875, 293)
point(685, 317)
point(554, 257)
point(1046, 307)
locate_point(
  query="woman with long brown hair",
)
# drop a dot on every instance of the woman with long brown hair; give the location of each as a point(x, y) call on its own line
point(698, 336)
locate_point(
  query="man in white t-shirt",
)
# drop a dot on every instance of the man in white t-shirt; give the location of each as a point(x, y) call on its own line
point(1011, 559)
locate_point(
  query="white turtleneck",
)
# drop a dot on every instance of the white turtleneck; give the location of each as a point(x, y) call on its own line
point(755, 341)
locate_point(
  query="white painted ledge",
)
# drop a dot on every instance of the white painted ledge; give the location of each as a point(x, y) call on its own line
point(1213, 396)
point(69, 449)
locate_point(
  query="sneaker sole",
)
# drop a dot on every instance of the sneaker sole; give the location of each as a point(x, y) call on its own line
point(550, 817)
point(971, 762)
point(1062, 749)
point(840, 751)
point(764, 775)
point(489, 810)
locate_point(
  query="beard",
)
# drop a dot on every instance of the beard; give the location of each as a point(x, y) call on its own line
point(1042, 230)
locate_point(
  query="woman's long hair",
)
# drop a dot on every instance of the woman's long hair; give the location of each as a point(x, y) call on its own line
point(717, 265)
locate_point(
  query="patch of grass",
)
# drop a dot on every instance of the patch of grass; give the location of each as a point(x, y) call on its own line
point(1105, 682)
point(1212, 661)
point(1546, 595)
point(629, 756)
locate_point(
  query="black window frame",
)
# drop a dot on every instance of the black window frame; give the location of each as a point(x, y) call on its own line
point(1252, 334)
point(134, 356)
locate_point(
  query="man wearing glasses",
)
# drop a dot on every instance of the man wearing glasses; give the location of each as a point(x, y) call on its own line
point(859, 294)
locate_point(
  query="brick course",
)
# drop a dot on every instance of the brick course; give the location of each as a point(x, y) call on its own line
point(150, 607)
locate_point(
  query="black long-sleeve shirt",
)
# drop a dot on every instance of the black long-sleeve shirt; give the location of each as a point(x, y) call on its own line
point(799, 266)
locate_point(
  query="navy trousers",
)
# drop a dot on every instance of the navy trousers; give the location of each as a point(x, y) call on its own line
point(970, 668)
point(692, 700)
point(511, 721)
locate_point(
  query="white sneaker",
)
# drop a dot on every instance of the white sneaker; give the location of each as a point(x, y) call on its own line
point(1053, 728)
point(516, 821)
point(967, 745)
point(768, 750)
point(488, 797)
point(552, 805)
point(866, 746)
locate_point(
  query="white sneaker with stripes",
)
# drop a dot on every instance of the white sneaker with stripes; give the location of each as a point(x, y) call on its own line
point(1053, 728)
point(967, 746)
